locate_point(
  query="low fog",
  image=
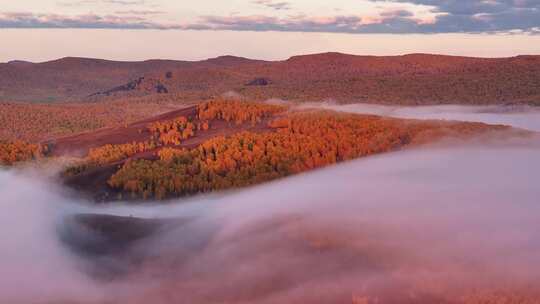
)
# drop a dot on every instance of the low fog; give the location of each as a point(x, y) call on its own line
point(34, 266)
point(524, 117)
point(433, 224)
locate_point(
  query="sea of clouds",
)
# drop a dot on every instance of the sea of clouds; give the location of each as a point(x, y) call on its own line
point(425, 223)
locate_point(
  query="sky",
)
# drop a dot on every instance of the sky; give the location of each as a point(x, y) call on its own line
point(265, 29)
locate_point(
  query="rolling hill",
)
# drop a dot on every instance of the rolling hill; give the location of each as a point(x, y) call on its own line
point(409, 79)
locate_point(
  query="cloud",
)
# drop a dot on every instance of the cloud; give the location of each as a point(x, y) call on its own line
point(402, 22)
point(480, 16)
point(139, 12)
point(448, 17)
point(397, 13)
point(135, 2)
point(518, 117)
point(484, 16)
point(93, 2)
point(395, 16)
point(30, 20)
point(273, 5)
point(391, 21)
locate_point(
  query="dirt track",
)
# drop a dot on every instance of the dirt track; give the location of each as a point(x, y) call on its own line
point(78, 145)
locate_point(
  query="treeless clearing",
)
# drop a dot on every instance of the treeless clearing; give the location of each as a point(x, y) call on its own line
point(38, 122)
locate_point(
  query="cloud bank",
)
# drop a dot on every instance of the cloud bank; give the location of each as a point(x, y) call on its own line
point(454, 16)
point(122, 20)
point(283, 5)
point(35, 266)
point(523, 117)
point(439, 224)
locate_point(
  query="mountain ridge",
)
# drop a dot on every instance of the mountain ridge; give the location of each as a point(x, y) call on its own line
point(404, 79)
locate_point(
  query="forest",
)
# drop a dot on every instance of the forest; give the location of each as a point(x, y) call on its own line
point(284, 142)
point(300, 142)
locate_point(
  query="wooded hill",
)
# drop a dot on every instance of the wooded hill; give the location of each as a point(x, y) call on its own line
point(411, 79)
point(223, 144)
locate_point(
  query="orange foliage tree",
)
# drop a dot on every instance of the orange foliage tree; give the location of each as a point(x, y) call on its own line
point(19, 151)
point(111, 153)
point(173, 131)
point(237, 111)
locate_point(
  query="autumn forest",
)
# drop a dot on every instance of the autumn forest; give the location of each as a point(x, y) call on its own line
point(264, 142)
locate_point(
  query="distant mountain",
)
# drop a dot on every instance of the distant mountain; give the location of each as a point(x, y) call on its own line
point(409, 79)
point(19, 62)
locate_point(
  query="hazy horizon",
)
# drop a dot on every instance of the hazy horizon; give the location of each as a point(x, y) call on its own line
point(40, 45)
point(265, 29)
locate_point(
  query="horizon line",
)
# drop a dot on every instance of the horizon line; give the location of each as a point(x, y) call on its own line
point(15, 61)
